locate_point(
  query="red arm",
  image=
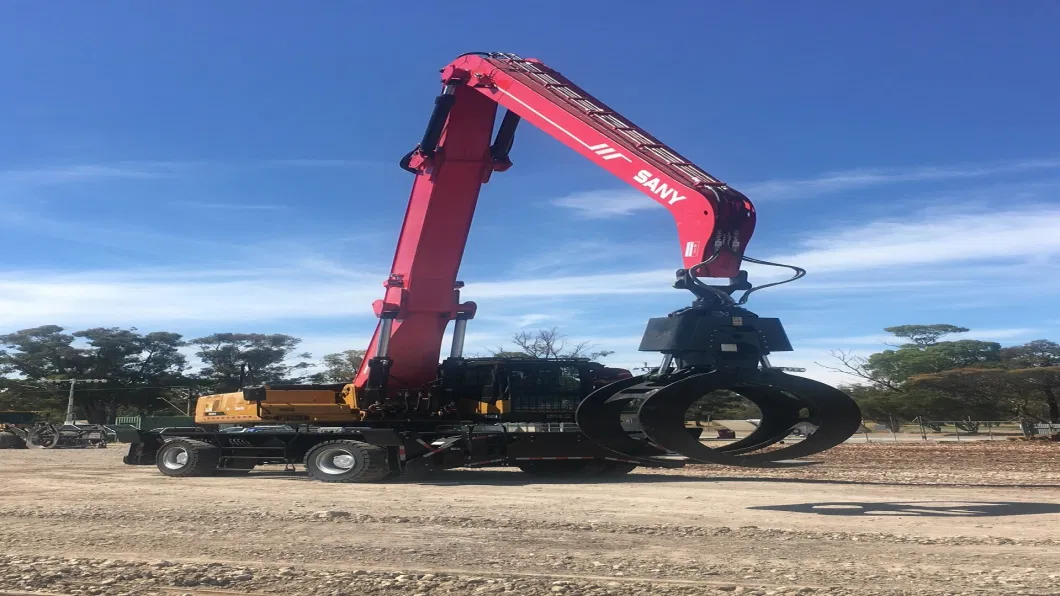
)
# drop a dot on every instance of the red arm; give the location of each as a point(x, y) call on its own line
point(714, 222)
point(711, 217)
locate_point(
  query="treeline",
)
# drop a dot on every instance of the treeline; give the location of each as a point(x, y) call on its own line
point(964, 379)
point(148, 373)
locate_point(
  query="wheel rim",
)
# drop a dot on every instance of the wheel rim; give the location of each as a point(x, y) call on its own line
point(175, 458)
point(335, 461)
point(45, 437)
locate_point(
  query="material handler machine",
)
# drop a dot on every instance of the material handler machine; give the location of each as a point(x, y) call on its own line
point(404, 412)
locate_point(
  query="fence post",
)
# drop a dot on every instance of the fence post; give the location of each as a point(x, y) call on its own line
point(1023, 427)
point(923, 431)
point(891, 427)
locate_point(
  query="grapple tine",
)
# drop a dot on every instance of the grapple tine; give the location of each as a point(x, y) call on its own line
point(599, 417)
point(779, 415)
point(836, 415)
point(662, 416)
point(712, 345)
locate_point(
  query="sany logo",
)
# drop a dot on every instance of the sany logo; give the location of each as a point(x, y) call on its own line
point(658, 187)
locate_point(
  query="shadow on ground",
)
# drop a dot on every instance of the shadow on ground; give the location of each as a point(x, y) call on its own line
point(919, 508)
point(515, 478)
point(493, 478)
point(882, 482)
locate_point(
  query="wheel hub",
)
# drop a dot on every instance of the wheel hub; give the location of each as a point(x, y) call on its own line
point(336, 461)
point(175, 458)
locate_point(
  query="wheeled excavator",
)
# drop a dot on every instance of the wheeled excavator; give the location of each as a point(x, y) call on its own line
point(405, 412)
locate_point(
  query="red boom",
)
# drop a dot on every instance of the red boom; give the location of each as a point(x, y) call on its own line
point(714, 222)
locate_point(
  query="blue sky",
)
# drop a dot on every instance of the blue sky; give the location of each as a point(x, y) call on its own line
point(204, 166)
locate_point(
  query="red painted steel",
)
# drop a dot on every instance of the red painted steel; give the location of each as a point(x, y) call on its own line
point(714, 222)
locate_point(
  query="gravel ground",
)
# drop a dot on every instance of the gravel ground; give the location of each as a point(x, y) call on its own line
point(969, 518)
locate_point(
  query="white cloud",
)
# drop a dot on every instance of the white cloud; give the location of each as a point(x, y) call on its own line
point(880, 340)
point(924, 249)
point(148, 169)
point(323, 163)
point(818, 364)
point(637, 282)
point(1017, 333)
point(951, 255)
point(580, 254)
point(78, 173)
point(597, 204)
point(229, 206)
point(601, 204)
point(949, 236)
point(530, 319)
point(136, 298)
point(125, 238)
point(861, 178)
point(295, 290)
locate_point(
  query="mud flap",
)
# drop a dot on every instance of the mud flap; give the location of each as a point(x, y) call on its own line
point(142, 449)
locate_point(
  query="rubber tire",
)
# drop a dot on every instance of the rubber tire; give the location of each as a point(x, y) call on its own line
point(370, 462)
point(9, 440)
point(202, 458)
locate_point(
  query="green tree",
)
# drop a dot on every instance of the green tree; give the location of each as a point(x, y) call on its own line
point(236, 360)
point(924, 335)
point(138, 369)
point(1035, 368)
point(906, 382)
point(39, 353)
point(340, 367)
point(1042, 382)
point(1024, 381)
point(28, 356)
point(890, 369)
point(1039, 353)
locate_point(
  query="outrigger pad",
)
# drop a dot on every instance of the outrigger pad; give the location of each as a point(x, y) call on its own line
point(641, 419)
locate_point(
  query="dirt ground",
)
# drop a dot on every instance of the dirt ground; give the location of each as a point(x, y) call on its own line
point(968, 518)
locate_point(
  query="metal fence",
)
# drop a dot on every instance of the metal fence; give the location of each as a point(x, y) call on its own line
point(922, 429)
